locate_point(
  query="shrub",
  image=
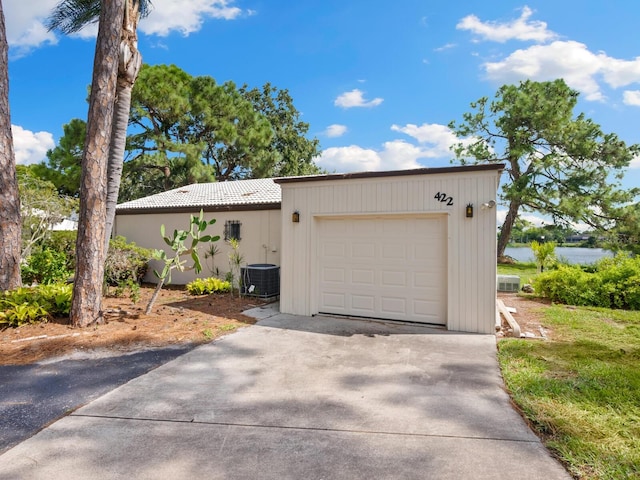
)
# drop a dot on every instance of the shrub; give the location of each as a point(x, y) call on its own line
point(125, 261)
point(47, 266)
point(33, 304)
point(205, 286)
point(63, 241)
point(615, 283)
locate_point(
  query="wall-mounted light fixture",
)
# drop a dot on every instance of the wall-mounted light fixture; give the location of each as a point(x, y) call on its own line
point(469, 210)
point(295, 217)
point(489, 204)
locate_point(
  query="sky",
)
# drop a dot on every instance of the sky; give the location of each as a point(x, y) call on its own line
point(378, 81)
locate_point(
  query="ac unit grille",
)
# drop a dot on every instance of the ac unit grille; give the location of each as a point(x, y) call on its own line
point(508, 283)
point(260, 280)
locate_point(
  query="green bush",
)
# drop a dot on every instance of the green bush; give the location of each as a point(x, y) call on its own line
point(205, 286)
point(34, 304)
point(125, 262)
point(615, 283)
point(63, 241)
point(45, 267)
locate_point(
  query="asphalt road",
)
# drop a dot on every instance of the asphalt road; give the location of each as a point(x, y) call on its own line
point(33, 396)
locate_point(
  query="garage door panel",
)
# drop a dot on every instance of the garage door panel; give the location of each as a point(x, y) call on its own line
point(394, 252)
point(333, 250)
point(432, 279)
point(394, 279)
point(362, 277)
point(393, 306)
point(333, 275)
point(363, 303)
point(394, 267)
point(363, 250)
point(334, 300)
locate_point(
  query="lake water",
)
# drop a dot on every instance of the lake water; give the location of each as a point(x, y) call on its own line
point(570, 254)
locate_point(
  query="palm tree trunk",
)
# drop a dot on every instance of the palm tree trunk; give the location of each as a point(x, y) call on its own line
point(10, 222)
point(129, 63)
point(86, 307)
point(116, 154)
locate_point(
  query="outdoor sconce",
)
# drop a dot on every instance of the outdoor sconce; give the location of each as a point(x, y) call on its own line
point(469, 210)
point(295, 217)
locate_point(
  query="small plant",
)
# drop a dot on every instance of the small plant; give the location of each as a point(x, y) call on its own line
point(544, 253)
point(228, 327)
point(210, 257)
point(34, 304)
point(235, 262)
point(208, 333)
point(206, 286)
point(130, 286)
point(178, 245)
point(45, 267)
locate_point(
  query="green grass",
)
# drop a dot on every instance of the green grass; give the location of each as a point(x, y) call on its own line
point(526, 271)
point(581, 391)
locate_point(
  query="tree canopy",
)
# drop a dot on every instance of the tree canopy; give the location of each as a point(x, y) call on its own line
point(189, 129)
point(63, 166)
point(556, 163)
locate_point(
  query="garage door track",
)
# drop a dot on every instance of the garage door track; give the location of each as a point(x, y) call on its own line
point(294, 398)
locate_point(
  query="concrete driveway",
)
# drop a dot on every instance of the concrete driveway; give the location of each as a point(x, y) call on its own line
point(301, 398)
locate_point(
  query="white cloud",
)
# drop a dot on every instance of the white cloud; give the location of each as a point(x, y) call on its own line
point(26, 30)
point(518, 29)
point(394, 155)
point(24, 23)
point(569, 60)
point(437, 138)
point(632, 97)
point(186, 17)
point(635, 163)
point(335, 130)
point(619, 73)
point(30, 147)
point(433, 142)
point(355, 98)
point(349, 159)
point(446, 46)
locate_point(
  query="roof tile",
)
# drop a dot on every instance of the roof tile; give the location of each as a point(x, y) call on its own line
point(239, 192)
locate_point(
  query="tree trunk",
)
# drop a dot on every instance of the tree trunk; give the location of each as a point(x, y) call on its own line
point(86, 307)
point(10, 222)
point(116, 155)
point(154, 297)
point(129, 63)
point(507, 227)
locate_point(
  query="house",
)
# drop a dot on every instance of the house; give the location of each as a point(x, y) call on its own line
point(248, 210)
point(413, 245)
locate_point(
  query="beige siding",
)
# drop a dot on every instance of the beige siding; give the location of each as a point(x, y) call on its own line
point(471, 242)
point(260, 237)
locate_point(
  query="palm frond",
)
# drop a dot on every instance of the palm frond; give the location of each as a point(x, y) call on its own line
point(71, 16)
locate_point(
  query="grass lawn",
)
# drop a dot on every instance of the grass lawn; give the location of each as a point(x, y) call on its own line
point(526, 271)
point(581, 390)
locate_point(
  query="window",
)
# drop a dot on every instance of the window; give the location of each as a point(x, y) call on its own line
point(232, 230)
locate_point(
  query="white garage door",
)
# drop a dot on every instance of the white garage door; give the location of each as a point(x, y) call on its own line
point(384, 267)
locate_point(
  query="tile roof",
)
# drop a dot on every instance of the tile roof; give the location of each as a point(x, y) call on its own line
point(262, 191)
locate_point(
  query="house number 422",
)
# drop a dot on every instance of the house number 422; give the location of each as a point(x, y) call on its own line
point(444, 198)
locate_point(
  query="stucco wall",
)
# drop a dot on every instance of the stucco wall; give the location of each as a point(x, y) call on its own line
point(260, 237)
point(471, 242)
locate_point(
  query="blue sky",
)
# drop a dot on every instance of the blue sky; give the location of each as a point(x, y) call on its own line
point(377, 80)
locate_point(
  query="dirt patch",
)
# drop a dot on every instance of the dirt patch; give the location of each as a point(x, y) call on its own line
point(177, 318)
point(529, 315)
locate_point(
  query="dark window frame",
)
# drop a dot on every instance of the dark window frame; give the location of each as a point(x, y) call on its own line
point(232, 230)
